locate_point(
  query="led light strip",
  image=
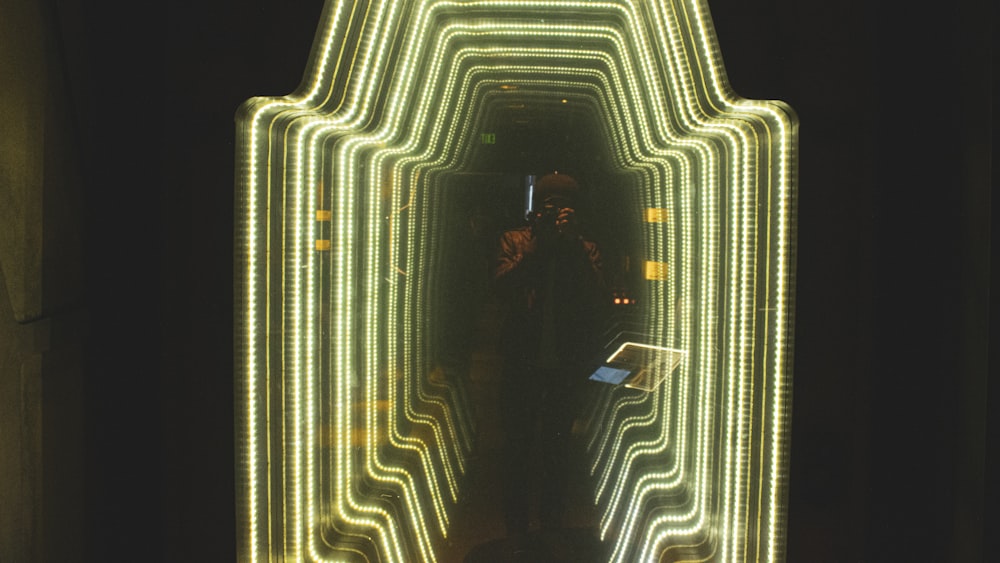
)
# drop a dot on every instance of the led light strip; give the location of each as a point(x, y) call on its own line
point(676, 149)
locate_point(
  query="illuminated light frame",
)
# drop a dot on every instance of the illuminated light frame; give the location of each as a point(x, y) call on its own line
point(331, 312)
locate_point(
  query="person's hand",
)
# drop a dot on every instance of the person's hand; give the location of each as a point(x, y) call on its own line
point(566, 223)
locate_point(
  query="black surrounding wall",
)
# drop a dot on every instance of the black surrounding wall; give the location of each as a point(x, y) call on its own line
point(889, 435)
point(890, 410)
point(159, 95)
point(892, 351)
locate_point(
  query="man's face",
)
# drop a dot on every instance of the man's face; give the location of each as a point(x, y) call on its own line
point(555, 211)
point(553, 203)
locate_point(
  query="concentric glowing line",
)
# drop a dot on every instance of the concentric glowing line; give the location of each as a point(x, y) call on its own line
point(653, 75)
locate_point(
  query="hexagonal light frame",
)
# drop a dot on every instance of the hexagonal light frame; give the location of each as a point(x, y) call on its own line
point(348, 449)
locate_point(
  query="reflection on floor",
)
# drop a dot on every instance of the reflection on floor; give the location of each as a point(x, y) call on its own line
point(478, 534)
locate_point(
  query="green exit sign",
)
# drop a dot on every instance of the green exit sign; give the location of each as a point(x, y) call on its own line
point(488, 138)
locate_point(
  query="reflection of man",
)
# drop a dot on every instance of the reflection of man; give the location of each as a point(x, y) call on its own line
point(548, 276)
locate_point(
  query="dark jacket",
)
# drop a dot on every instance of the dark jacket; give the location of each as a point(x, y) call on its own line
point(563, 279)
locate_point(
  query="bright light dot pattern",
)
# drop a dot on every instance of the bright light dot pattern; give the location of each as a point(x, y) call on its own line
point(349, 448)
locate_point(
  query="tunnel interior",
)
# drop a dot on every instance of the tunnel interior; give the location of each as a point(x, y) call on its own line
point(372, 201)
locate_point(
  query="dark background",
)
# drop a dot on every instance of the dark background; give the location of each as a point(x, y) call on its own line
point(889, 441)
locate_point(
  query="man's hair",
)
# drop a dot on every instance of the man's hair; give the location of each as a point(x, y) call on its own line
point(559, 185)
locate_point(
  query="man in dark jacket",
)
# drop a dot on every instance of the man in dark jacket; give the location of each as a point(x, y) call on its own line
point(548, 276)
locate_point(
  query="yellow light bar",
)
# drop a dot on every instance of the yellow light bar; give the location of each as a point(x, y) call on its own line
point(657, 271)
point(656, 215)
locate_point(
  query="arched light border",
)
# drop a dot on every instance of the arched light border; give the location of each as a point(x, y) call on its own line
point(673, 45)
